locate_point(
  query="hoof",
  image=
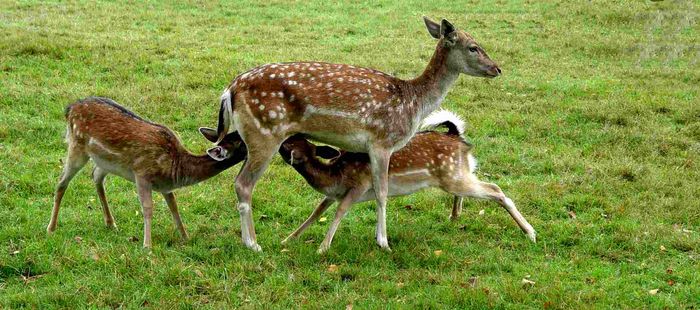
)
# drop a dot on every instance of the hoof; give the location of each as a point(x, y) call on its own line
point(255, 247)
point(532, 236)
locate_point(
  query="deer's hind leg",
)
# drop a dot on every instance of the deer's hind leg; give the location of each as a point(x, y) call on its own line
point(75, 160)
point(472, 187)
point(98, 177)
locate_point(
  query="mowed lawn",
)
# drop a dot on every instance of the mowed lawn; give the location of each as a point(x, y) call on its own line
point(593, 130)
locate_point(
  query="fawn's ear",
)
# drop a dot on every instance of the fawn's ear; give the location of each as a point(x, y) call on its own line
point(217, 153)
point(326, 152)
point(433, 27)
point(209, 133)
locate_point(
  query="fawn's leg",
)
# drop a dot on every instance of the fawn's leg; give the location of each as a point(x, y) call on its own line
point(146, 197)
point(172, 205)
point(98, 176)
point(343, 208)
point(484, 190)
point(75, 160)
point(379, 160)
point(322, 207)
point(456, 207)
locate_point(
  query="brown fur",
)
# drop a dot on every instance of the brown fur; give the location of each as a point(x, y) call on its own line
point(356, 109)
point(140, 151)
point(430, 159)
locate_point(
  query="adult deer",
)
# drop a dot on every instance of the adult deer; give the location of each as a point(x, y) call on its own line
point(356, 109)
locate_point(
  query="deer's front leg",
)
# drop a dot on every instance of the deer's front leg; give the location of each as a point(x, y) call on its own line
point(172, 205)
point(322, 207)
point(379, 159)
point(146, 197)
point(260, 153)
point(343, 208)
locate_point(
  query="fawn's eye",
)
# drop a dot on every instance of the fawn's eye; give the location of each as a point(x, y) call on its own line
point(473, 49)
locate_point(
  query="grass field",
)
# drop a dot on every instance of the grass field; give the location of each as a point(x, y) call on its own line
point(597, 114)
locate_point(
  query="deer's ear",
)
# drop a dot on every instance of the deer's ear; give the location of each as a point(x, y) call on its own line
point(446, 27)
point(326, 152)
point(217, 153)
point(209, 133)
point(433, 27)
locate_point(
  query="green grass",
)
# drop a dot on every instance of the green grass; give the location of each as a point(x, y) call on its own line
point(597, 113)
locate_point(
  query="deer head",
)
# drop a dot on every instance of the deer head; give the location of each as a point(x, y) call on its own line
point(464, 53)
point(231, 147)
point(297, 150)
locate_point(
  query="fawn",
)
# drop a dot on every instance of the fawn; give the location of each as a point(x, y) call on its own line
point(430, 159)
point(353, 108)
point(120, 142)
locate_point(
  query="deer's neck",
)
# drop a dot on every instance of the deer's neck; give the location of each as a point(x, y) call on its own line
point(190, 169)
point(317, 174)
point(430, 88)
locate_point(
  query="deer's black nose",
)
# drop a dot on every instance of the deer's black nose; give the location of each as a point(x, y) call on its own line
point(498, 69)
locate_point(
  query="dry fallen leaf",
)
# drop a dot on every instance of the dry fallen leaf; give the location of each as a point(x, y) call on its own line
point(437, 252)
point(408, 207)
point(133, 239)
point(527, 283)
point(348, 307)
point(654, 291)
point(473, 281)
point(399, 285)
point(284, 250)
point(95, 257)
point(572, 215)
point(309, 241)
point(322, 219)
point(662, 248)
point(15, 252)
point(670, 282)
point(482, 212)
point(198, 273)
point(332, 268)
point(78, 239)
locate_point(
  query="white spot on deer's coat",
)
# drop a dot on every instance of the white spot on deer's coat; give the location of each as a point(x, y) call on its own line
point(272, 76)
point(261, 107)
point(273, 114)
point(291, 74)
point(264, 94)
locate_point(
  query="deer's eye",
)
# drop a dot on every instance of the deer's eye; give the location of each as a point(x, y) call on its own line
point(473, 49)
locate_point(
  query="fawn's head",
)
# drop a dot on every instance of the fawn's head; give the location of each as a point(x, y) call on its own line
point(464, 53)
point(230, 148)
point(297, 150)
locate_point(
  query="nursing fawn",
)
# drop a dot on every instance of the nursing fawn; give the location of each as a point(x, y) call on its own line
point(120, 142)
point(430, 159)
point(353, 108)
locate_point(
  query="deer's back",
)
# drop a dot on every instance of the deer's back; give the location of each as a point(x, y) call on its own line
point(324, 101)
point(114, 136)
